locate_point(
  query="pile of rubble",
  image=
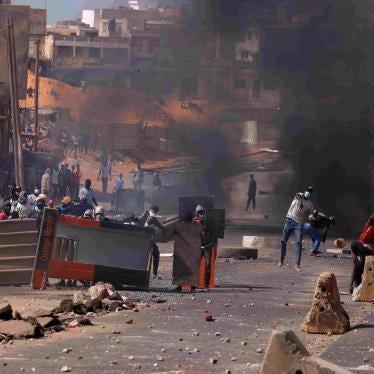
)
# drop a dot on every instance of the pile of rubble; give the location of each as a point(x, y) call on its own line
point(71, 313)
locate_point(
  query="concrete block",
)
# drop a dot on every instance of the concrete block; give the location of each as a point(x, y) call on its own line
point(287, 355)
point(19, 329)
point(338, 251)
point(327, 315)
point(253, 242)
point(365, 291)
point(340, 243)
point(248, 253)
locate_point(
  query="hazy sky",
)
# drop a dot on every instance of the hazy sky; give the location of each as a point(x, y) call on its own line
point(64, 9)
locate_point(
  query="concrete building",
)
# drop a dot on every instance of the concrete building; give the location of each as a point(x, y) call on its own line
point(82, 50)
point(248, 49)
point(145, 48)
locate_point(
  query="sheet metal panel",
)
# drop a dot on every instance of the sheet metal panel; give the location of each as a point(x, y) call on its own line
point(121, 248)
point(18, 242)
point(187, 254)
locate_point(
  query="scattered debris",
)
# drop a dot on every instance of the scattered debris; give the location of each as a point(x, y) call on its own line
point(129, 321)
point(213, 361)
point(66, 369)
point(259, 350)
point(209, 318)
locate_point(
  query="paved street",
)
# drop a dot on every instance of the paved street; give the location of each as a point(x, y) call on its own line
point(250, 298)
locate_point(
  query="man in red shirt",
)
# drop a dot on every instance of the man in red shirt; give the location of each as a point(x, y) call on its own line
point(5, 211)
point(360, 249)
point(77, 175)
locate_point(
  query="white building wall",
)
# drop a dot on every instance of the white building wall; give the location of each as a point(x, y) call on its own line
point(88, 17)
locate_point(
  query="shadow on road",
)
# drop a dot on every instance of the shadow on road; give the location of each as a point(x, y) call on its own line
point(363, 326)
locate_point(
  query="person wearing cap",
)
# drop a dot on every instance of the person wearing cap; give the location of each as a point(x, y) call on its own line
point(155, 221)
point(99, 214)
point(38, 209)
point(88, 192)
point(66, 206)
point(317, 221)
point(5, 211)
point(23, 207)
point(88, 214)
point(208, 242)
point(300, 208)
point(34, 196)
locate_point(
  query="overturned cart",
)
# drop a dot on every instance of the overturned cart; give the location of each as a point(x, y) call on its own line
point(79, 249)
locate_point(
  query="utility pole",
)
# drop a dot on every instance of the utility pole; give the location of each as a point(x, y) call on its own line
point(12, 65)
point(36, 95)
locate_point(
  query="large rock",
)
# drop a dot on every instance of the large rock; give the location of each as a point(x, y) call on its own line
point(18, 329)
point(326, 316)
point(80, 297)
point(6, 312)
point(365, 291)
point(100, 291)
point(287, 355)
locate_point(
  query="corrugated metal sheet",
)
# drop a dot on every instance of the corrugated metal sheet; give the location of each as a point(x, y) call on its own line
point(18, 241)
point(126, 137)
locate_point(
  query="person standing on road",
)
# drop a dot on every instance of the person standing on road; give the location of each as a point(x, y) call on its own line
point(252, 190)
point(138, 177)
point(299, 210)
point(55, 183)
point(105, 172)
point(155, 221)
point(75, 141)
point(360, 249)
point(318, 221)
point(157, 180)
point(208, 243)
point(77, 174)
point(46, 183)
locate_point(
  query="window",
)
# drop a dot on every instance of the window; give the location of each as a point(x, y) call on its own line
point(245, 55)
point(256, 89)
point(239, 84)
point(249, 35)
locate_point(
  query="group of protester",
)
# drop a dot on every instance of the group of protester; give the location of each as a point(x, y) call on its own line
point(61, 181)
point(19, 205)
point(80, 143)
point(302, 217)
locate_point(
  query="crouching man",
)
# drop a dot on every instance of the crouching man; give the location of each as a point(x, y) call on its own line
point(360, 249)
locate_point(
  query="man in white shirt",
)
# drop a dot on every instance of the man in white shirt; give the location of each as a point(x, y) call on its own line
point(297, 215)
